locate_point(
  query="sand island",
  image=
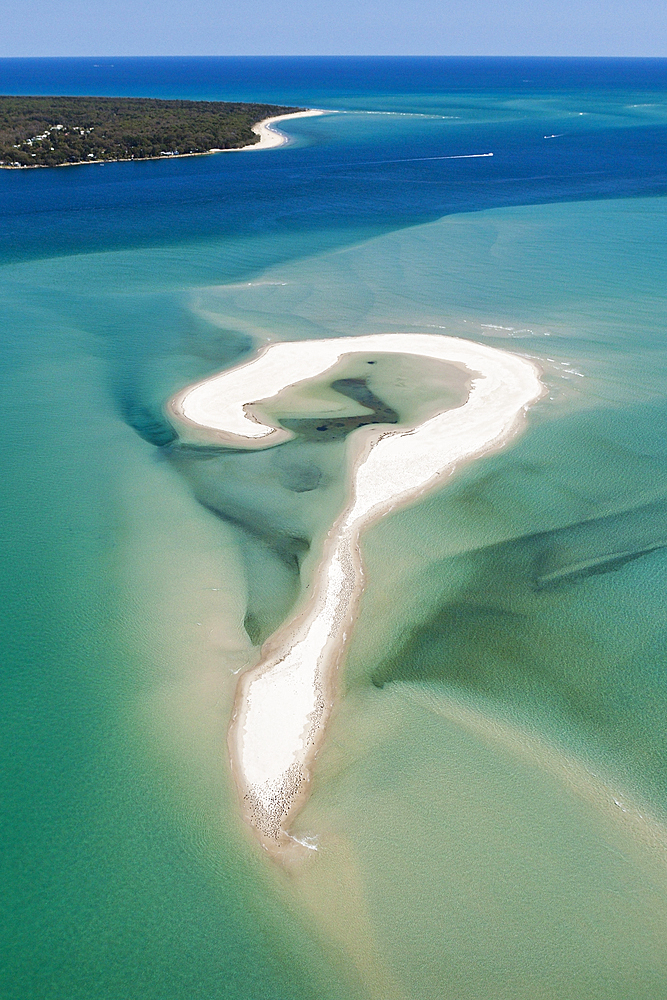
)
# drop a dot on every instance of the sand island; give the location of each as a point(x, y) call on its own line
point(64, 131)
point(283, 703)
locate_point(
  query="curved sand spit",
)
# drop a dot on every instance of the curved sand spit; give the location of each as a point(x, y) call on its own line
point(283, 703)
point(270, 136)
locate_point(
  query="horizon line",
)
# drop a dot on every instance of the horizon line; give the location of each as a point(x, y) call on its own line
point(342, 55)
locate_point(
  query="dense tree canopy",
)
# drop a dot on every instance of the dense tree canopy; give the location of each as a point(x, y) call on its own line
point(50, 131)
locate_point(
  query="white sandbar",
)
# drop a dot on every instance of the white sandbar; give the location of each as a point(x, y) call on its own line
point(283, 703)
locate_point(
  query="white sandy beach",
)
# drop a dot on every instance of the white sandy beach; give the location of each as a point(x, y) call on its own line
point(283, 704)
point(269, 135)
point(269, 138)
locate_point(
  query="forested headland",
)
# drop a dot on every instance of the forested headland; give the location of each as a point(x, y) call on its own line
point(54, 131)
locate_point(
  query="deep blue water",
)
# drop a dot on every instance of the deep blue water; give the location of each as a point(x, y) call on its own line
point(125, 869)
point(334, 184)
point(272, 77)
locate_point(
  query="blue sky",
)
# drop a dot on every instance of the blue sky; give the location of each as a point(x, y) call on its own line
point(334, 27)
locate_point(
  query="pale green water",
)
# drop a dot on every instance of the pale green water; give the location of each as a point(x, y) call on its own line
point(529, 590)
point(486, 864)
point(475, 863)
point(488, 803)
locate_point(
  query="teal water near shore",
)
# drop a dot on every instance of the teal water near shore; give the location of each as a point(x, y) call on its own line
point(490, 806)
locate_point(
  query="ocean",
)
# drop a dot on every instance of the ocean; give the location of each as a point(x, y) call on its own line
point(490, 806)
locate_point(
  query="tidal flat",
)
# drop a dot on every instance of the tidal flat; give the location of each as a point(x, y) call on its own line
point(488, 810)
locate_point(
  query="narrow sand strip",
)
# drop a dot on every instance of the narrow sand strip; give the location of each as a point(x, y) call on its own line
point(269, 137)
point(283, 704)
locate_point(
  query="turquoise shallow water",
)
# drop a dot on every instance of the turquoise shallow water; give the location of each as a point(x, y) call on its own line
point(489, 805)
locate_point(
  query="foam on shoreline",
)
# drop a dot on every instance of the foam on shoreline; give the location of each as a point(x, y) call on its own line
point(283, 703)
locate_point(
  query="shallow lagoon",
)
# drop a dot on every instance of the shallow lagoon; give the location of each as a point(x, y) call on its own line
point(492, 794)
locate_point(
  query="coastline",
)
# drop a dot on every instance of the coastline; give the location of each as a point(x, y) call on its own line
point(269, 138)
point(283, 704)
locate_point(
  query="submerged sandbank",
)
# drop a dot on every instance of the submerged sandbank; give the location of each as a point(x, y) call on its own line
point(282, 704)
